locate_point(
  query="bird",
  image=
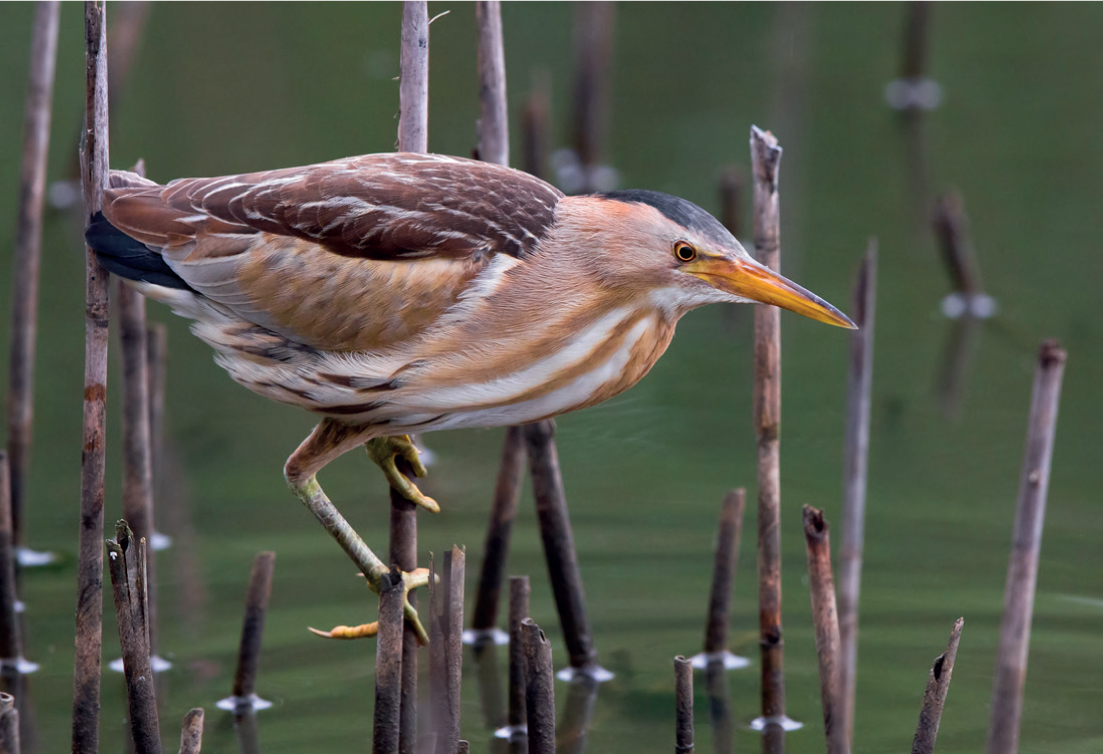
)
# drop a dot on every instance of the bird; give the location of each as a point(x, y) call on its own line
point(403, 293)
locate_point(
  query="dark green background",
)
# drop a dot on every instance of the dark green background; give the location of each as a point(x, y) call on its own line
point(221, 88)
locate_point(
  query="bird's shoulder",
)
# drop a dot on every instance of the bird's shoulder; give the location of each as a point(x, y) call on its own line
point(397, 206)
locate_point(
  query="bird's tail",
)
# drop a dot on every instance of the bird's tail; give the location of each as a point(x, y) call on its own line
point(127, 257)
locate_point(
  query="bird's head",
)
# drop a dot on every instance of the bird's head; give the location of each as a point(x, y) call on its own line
point(678, 255)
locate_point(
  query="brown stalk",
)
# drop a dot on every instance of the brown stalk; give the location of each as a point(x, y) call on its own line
point(191, 733)
point(951, 226)
point(559, 550)
point(855, 457)
point(914, 63)
point(413, 89)
point(27, 251)
point(1026, 544)
point(534, 128)
point(252, 629)
point(89, 611)
point(825, 619)
point(507, 495)
point(723, 571)
point(765, 161)
point(404, 555)
point(683, 705)
point(493, 124)
point(934, 698)
point(156, 357)
point(11, 639)
point(9, 725)
point(539, 689)
point(127, 564)
point(388, 666)
point(593, 50)
point(448, 732)
point(519, 592)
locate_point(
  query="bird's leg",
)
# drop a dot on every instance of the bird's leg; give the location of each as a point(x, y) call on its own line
point(328, 441)
point(384, 450)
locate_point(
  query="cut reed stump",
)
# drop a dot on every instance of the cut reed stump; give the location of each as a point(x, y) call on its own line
point(388, 665)
point(446, 650)
point(1026, 544)
point(539, 689)
point(9, 725)
point(243, 694)
point(127, 564)
point(89, 611)
point(683, 705)
point(191, 733)
point(723, 575)
point(27, 252)
point(934, 698)
point(855, 463)
point(825, 619)
point(519, 592)
point(765, 161)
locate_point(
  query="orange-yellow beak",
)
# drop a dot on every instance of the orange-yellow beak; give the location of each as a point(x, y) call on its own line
point(749, 279)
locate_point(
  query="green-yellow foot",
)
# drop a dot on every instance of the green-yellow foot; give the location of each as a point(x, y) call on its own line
point(412, 580)
point(384, 450)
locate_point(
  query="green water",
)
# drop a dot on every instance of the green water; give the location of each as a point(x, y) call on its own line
point(224, 88)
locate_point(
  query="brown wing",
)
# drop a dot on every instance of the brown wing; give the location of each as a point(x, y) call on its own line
point(326, 254)
point(383, 206)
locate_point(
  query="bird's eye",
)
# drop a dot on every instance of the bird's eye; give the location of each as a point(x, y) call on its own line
point(684, 252)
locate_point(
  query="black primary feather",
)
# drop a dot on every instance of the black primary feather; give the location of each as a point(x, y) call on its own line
point(129, 258)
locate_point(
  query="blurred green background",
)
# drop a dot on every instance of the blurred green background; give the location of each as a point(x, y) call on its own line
point(223, 88)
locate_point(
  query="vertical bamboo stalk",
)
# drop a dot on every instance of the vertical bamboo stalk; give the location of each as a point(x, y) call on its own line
point(252, 631)
point(413, 136)
point(519, 592)
point(27, 252)
point(507, 495)
point(934, 698)
point(388, 666)
point(1026, 543)
point(11, 640)
point(855, 457)
point(191, 732)
point(765, 161)
point(493, 146)
point(127, 564)
point(413, 89)
point(559, 550)
point(683, 705)
point(539, 689)
point(494, 113)
point(826, 622)
point(723, 574)
point(9, 725)
point(593, 47)
point(448, 732)
point(89, 612)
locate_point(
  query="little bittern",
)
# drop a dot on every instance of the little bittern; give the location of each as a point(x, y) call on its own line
point(398, 293)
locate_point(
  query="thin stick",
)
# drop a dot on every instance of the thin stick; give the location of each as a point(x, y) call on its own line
point(127, 562)
point(914, 62)
point(448, 735)
point(855, 455)
point(539, 689)
point(404, 555)
point(826, 622)
point(934, 698)
point(534, 128)
point(27, 251)
point(559, 550)
point(723, 571)
point(191, 733)
point(1026, 542)
point(89, 620)
point(494, 114)
point(9, 725)
point(951, 226)
point(593, 48)
point(413, 89)
point(388, 666)
point(11, 640)
point(683, 705)
point(252, 629)
point(507, 494)
point(519, 592)
point(765, 161)
point(437, 684)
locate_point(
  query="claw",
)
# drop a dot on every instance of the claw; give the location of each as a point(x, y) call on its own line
point(384, 450)
point(411, 580)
